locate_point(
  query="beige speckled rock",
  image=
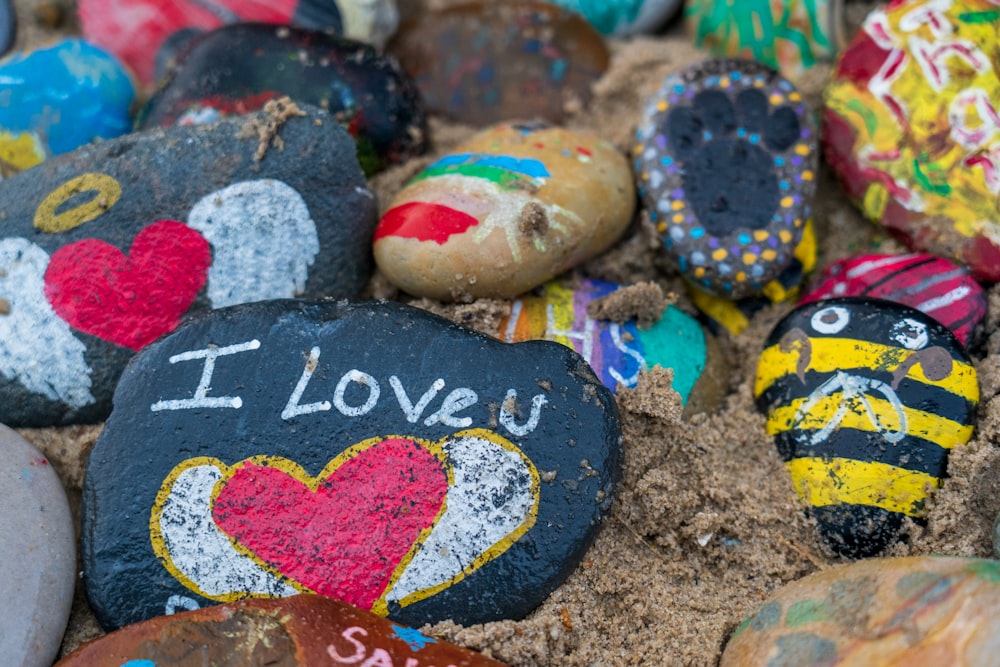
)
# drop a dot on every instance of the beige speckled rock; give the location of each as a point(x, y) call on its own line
point(511, 208)
point(886, 611)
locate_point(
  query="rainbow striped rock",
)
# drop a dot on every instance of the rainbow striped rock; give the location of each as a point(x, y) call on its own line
point(933, 285)
point(865, 399)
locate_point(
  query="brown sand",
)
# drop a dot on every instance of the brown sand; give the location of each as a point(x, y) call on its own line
point(706, 524)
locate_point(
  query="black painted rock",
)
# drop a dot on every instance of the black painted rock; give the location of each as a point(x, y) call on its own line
point(8, 26)
point(371, 452)
point(482, 63)
point(238, 68)
point(107, 248)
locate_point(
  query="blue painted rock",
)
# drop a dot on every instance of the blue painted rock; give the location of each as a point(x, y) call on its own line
point(486, 62)
point(8, 26)
point(370, 452)
point(865, 399)
point(622, 18)
point(920, 610)
point(509, 209)
point(933, 285)
point(107, 248)
point(38, 549)
point(726, 165)
point(618, 352)
point(57, 98)
point(238, 68)
point(300, 630)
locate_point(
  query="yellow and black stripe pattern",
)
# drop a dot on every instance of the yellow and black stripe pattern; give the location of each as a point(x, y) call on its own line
point(865, 399)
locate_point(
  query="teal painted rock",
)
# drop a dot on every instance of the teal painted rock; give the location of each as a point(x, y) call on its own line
point(55, 99)
point(622, 18)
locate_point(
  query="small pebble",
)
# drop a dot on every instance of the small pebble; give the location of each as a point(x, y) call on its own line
point(8, 26)
point(865, 399)
point(509, 209)
point(623, 18)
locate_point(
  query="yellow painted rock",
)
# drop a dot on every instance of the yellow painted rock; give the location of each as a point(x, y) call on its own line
point(893, 611)
point(511, 208)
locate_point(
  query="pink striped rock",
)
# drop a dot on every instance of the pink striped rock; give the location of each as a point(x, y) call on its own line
point(936, 286)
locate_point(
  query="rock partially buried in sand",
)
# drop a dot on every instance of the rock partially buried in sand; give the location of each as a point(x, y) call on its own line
point(38, 550)
point(865, 399)
point(107, 248)
point(303, 630)
point(912, 129)
point(624, 17)
point(726, 164)
point(514, 206)
point(371, 452)
point(894, 611)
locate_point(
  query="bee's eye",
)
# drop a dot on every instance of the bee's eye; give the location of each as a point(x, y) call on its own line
point(910, 334)
point(830, 320)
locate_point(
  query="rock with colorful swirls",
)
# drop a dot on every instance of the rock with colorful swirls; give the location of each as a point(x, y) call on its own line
point(920, 610)
point(789, 35)
point(509, 209)
point(622, 18)
point(57, 98)
point(912, 128)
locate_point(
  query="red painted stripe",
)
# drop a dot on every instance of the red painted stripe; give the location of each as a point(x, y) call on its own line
point(424, 221)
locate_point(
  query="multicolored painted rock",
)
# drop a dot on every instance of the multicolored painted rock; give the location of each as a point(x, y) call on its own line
point(865, 399)
point(921, 610)
point(38, 549)
point(487, 62)
point(300, 631)
point(789, 35)
point(370, 452)
point(137, 30)
point(933, 285)
point(511, 208)
point(726, 164)
point(622, 18)
point(912, 129)
point(238, 68)
point(616, 352)
point(106, 249)
point(57, 98)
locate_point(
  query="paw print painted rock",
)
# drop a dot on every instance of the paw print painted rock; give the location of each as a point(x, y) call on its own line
point(911, 126)
point(933, 285)
point(865, 399)
point(726, 165)
point(921, 610)
point(509, 209)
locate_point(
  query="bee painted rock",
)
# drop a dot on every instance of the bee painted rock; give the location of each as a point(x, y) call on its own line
point(726, 166)
point(622, 18)
point(238, 68)
point(509, 209)
point(921, 610)
point(619, 352)
point(57, 98)
point(912, 129)
point(933, 285)
point(789, 35)
point(865, 399)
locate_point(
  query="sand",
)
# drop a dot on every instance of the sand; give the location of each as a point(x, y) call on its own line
point(706, 524)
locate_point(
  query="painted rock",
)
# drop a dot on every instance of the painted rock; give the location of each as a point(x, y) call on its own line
point(622, 18)
point(789, 35)
point(38, 548)
point(8, 26)
point(865, 398)
point(486, 62)
point(933, 285)
point(138, 29)
point(920, 610)
point(734, 317)
point(107, 248)
point(616, 352)
point(370, 452)
point(238, 68)
point(511, 208)
point(299, 630)
point(58, 98)
point(912, 129)
point(726, 164)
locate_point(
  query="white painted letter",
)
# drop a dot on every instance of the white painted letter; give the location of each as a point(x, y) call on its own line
point(507, 419)
point(457, 400)
point(201, 398)
point(413, 412)
point(360, 378)
point(293, 409)
point(359, 648)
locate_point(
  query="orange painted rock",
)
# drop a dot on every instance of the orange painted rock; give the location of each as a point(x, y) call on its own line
point(299, 631)
point(893, 611)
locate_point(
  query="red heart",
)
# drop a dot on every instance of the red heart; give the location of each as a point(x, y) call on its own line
point(344, 533)
point(133, 300)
